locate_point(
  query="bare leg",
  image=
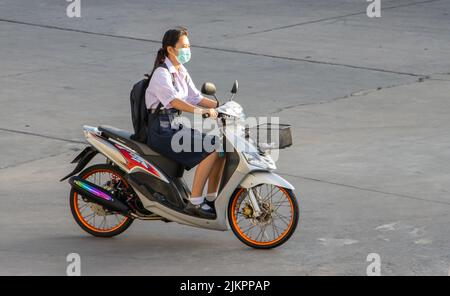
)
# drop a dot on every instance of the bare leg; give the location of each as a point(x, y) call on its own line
point(216, 175)
point(202, 173)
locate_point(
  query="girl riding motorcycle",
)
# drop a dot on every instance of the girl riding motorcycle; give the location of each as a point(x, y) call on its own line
point(170, 91)
point(136, 183)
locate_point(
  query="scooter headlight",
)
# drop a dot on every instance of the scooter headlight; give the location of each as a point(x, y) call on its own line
point(255, 159)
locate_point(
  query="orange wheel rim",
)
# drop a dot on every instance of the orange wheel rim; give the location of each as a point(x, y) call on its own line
point(279, 231)
point(107, 223)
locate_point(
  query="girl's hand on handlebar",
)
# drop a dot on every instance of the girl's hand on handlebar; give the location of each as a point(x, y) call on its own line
point(210, 113)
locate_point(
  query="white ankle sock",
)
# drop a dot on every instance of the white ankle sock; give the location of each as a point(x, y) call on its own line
point(211, 196)
point(197, 200)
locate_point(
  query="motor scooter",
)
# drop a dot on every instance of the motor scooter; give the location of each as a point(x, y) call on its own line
point(137, 183)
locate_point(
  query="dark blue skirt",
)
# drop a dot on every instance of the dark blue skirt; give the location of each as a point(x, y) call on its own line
point(184, 145)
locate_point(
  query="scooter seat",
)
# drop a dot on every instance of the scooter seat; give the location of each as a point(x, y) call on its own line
point(169, 166)
point(124, 136)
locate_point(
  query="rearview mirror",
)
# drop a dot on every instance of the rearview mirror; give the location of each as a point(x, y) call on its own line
point(235, 87)
point(208, 88)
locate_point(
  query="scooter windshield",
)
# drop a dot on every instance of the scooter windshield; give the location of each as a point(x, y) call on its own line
point(233, 109)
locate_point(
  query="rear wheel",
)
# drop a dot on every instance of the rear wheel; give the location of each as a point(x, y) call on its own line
point(92, 217)
point(276, 223)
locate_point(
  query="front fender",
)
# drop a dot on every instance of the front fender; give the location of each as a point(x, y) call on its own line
point(263, 177)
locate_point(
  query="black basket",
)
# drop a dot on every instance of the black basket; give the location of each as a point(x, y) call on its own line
point(271, 136)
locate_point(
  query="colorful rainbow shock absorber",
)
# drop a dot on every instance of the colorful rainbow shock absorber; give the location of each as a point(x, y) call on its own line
point(92, 190)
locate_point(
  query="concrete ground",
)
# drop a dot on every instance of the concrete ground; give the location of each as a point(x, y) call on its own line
point(368, 100)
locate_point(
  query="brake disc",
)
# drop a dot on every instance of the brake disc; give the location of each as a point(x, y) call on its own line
point(98, 209)
point(247, 211)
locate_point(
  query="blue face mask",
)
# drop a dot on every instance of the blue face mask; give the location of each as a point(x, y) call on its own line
point(184, 55)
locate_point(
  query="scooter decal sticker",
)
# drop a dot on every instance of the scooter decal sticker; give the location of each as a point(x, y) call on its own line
point(134, 160)
point(93, 190)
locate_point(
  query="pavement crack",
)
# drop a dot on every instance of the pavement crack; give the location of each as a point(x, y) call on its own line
point(369, 189)
point(358, 93)
point(326, 19)
point(31, 72)
point(311, 61)
point(31, 160)
point(235, 51)
point(78, 31)
point(41, 135)
point(96, 63)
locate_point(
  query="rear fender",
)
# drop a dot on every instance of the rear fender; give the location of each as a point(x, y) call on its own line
point(82, 159)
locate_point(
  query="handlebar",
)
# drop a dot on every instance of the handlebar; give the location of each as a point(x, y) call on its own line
point(220, 115)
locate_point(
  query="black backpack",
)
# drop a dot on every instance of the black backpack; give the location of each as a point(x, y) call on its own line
point(139, 112)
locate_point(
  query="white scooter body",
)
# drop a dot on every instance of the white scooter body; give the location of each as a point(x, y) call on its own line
point(245, 174)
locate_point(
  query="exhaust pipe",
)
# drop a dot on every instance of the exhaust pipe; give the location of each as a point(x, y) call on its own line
point(98, 195)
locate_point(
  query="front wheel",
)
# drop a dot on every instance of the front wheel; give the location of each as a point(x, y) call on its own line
point(275, 224)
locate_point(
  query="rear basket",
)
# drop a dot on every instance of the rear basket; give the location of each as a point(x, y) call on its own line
point(271, 136)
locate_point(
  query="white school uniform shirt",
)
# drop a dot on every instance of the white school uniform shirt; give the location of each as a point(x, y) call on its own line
point(161, 88)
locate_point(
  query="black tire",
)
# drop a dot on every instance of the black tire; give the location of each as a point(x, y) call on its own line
point(73, 200)
point(286, 236)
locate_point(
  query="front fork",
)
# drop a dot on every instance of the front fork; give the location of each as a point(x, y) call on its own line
point(254, 196)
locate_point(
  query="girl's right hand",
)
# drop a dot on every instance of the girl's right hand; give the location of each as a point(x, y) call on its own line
point(211, 112)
